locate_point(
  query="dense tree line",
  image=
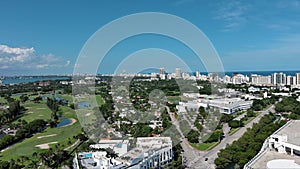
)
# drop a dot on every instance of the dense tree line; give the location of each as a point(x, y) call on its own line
point(244, 149)
point(26, 131)
point(12, 113)
point(288, 104)
point(261, 104)
point(30, 87)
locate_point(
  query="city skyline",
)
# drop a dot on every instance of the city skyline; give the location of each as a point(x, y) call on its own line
point(46, 38)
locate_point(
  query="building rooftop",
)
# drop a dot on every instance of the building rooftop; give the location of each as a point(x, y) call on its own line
point(270, 156)
point(291, 130)
point(280, 150)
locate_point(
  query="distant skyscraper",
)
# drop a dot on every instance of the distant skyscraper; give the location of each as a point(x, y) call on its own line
point(278, 79)
point(298, 78)
point(260, 80)
point(178, 72)
point(291, 80)
point(197, 74)
point(162, 71)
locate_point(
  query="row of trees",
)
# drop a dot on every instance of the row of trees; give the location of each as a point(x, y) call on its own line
point(244, 149)
point(26, 131)
point(288, 104)
point(261, 104)
point(11, 113)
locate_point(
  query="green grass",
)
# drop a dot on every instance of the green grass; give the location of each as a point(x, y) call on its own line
point(3, 100)
point(36, 111)
point(100, 100)
point(205, 146)
point(63, 134)
point(173, 99)
point(233, 130)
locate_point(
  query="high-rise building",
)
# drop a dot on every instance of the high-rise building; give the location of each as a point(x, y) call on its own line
point(178, 73)
point(278, 78)
point(297, 78)
point(162, 71)
point(260, 80)
point(198, 74)
point(238, 79)
point(291, 80)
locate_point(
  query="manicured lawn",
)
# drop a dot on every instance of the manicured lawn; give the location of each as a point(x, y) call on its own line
point(205, 146)
point(62, 135)
point(173, 99)
point(232, 131)
point(36, 111)
point(2, 100)
point(100, 100)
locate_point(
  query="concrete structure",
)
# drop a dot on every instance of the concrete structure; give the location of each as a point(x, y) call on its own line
point(120, 147)
point(280, 150)
point(278, 78)
point(96, 160)
point(229, 106)
point(190, 106)
point(150, 152)
point(239, 79)
point(260, 80)
point(253, 89)
point(298, 79)
point(291, 80)
point(178, 73)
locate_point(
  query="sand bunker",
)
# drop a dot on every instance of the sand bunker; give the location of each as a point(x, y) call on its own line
point(51, 135)
point(46, 145)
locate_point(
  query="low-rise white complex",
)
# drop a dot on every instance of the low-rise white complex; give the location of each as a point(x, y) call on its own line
point(118, 146)
point(231, 105)
point(280, 150)
point(149, 152)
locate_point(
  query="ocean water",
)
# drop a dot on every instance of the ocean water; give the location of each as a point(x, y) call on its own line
point(17, 80)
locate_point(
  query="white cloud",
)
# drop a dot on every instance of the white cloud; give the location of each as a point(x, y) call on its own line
point(232, 13)
point(25, 58)
point(17, 51)
point(68, 63)
point(41, 66)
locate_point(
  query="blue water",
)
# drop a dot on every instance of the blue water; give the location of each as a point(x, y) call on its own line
point(88, 155)
point(82, 105)
point(63, 122)
point(16, 80)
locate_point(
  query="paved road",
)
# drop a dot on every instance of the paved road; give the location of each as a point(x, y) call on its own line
point(213, 154)
point(196, 159)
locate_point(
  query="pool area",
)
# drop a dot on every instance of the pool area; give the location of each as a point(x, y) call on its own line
point(88, 155)
point(64, 122)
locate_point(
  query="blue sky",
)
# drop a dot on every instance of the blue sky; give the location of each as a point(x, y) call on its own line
point(45, 37)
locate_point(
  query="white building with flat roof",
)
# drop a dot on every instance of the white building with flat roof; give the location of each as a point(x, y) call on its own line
point(118, 146)
point(96, 160)
point(231, 105)
point(149, 152)
point(280, 150)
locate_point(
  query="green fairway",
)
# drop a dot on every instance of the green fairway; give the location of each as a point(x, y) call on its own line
point(173, 99)
point(2, 100)
point(100, 100)
point(36, 111)
point(61, 137)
